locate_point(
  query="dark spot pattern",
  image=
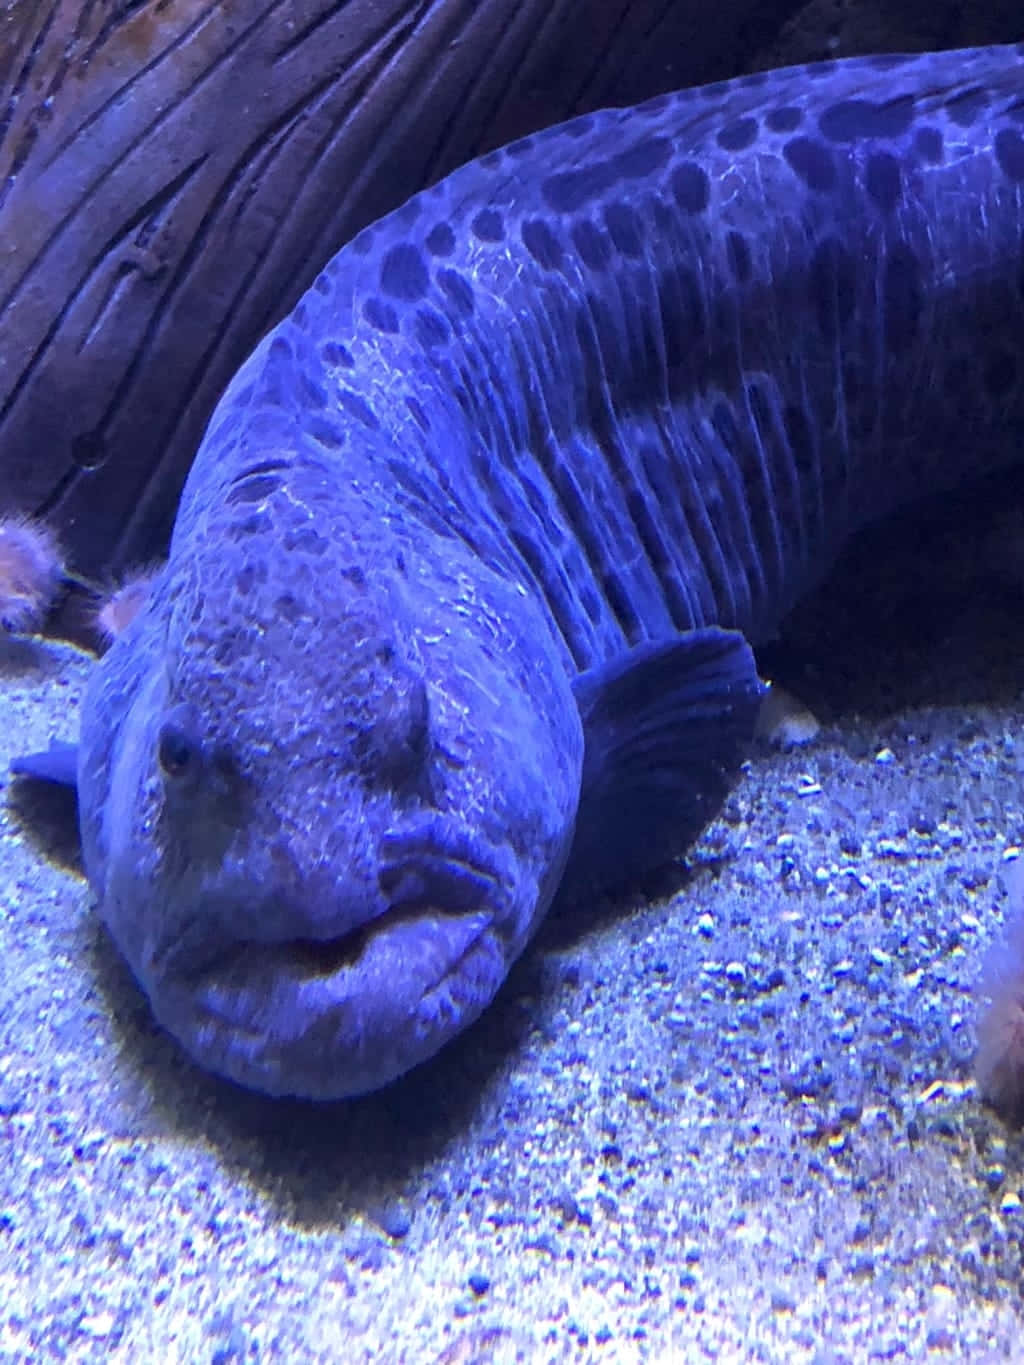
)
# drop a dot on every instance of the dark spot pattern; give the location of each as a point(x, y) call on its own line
point(883, 180)
point(403, 274)
point(643, 159)
point(334, 353)
point(738, 134)
point(254, 525)
point(440, 240)
point(432, 328)
point(324, 432)
point(407, 214)
point(964, 108)
point(570, 191)
point(253, 489)
point(812, 162)
point(691, 188)
point(1009, 148)
point(305, 541)
point(287, 607)
point(380, 315)
point(786, 119)
point(520, 147)
point(276, 385)
point(356, 406)
point(929, 145)
point(488, 226)
point(273, 465)
point(625, 228)
point(541, 243)
point(593, 246)
point(853, 119)
point(246, 579)
point(457, 290)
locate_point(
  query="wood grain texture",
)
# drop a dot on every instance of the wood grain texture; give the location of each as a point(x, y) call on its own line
point(174, 172)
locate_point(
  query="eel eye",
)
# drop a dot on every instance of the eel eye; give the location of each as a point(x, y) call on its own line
point(177, 753)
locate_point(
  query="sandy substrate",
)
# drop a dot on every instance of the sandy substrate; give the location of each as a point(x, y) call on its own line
point(734, 1121)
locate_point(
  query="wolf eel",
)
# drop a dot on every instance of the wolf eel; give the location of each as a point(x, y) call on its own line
point(461, 591)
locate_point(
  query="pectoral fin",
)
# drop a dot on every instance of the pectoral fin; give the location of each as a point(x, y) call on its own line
point(665, 728)
point(58, 763)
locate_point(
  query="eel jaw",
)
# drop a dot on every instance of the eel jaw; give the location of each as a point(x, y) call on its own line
point(334, 1016)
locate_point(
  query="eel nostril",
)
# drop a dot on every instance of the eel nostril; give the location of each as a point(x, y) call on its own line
point(396, 747)
point(418, 720)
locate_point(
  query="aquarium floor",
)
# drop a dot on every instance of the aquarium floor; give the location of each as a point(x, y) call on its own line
point(733, 1120)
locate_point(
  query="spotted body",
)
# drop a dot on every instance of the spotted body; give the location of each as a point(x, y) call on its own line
point(458, 598)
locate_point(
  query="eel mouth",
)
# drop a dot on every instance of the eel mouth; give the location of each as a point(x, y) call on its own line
point(421, 885)
point(329, 1019)
point(302, 958)
point(339, 1014)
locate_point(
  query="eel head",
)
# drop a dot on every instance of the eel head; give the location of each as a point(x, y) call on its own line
point(328, 781)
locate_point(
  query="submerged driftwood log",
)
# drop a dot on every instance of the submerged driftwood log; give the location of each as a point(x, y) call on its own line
point(174, 172)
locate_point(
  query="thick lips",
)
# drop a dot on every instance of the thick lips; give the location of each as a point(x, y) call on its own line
point(420, 883)
point(335, 1015)
point(308, 958)
point(419, 880)
point(267, 1024)
point(413, 875)
point(246, 967)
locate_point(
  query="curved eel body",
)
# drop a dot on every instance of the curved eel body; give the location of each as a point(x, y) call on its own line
point(460, 590)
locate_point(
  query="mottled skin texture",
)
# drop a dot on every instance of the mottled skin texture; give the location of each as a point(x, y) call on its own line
point(638, 375)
